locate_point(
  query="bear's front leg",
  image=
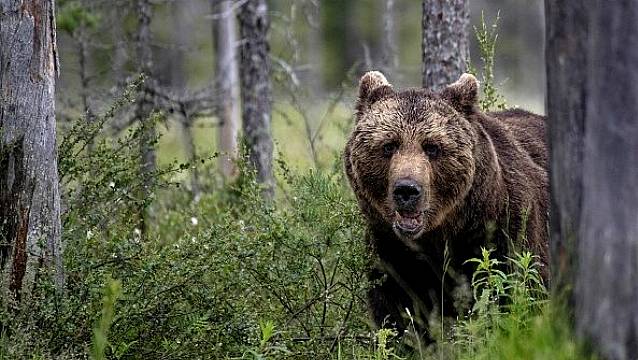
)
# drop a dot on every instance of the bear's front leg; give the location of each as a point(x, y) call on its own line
point(387, 302)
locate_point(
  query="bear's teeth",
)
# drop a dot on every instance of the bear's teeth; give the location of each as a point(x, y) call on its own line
point(415, 215)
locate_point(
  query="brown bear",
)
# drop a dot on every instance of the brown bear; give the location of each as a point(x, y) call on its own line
point(437, 180)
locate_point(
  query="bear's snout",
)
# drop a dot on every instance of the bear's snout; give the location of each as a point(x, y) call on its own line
point(407, 194)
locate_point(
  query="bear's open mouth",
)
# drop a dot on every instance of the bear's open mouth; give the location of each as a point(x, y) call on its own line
point(408, 223)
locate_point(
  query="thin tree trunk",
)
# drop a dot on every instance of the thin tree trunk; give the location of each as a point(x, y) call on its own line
point(182, 36)
point(567, 36)
point(599, 119)
point(120, 50)
point(188, 140)
point(227, 75)
point(145, 103)
point(314, 50)
point(256, 89)
point(390, 57)
point(445, 47)
point(29, 189)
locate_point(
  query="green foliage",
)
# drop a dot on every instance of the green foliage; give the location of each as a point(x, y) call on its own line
point(486, 37)
point(266, 348)
point(207, 273)
point(383, 350)
point(512, 317)
point(112, 291)
point(73, 15)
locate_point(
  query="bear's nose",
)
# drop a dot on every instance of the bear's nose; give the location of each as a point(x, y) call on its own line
point(407, 194)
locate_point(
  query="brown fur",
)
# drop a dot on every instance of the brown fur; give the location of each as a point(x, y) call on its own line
point(475, 169)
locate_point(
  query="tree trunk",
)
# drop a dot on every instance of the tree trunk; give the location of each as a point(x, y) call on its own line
point(29, 189)
point(445, 50)
point(145, 103)
point(229, 111)
point(567, 34)
point(606, 286)
point(182, 36)
point(599, 115)
point(314, 50)
point(120, 50)
point(390, 56)
point(256, 89)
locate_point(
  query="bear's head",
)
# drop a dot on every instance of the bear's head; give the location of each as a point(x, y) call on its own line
point(410, 157)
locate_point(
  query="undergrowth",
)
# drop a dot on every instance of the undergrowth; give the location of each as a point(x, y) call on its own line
point(232, 276)
point(229, 276)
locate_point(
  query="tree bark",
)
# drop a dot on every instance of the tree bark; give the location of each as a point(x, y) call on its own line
point(145, 103)
point(120, 53)
point(606, 286)
point(390, 56)
point(256, 89)
point(445, 49)
point(594, 123)
point(182, 36)
point(314, 50)
point(29, 189)
point(566, 42)
point(227, 76)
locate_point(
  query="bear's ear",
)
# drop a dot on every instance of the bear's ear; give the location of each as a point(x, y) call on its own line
point(463, 94)
point(372, 87)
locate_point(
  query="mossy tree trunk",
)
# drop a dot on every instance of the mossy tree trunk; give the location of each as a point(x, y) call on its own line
point(227, 76)
point(445, 47)
point(256, 90)
point(593, 114)
point(29, 187)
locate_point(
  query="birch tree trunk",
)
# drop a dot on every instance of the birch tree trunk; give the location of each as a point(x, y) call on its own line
point(29, 188)
point(390, 56)
point(256, 89)
point(227, 76)
point(597, 112)
point(445, 47)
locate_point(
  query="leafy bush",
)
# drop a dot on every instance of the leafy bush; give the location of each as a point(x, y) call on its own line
point(209, 276)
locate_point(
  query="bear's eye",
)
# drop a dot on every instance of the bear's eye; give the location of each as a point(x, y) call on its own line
point(433, 151)
point(390, 148)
